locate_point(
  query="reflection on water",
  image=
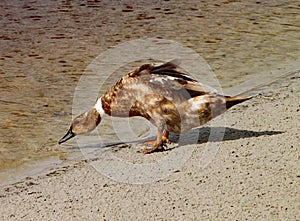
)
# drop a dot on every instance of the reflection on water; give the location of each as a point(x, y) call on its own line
point(46, 46)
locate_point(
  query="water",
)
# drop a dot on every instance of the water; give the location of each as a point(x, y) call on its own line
point(46, 46)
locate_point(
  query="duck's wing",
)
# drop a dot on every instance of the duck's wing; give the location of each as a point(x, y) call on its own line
point(171, 69)
point(168, 76)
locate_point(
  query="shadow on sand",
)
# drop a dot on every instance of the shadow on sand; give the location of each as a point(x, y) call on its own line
point(205, 134)
point(217, 134)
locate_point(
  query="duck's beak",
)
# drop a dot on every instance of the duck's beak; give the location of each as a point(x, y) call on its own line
point(68, 136)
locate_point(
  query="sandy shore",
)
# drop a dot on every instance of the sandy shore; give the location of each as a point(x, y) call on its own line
point(254, 176)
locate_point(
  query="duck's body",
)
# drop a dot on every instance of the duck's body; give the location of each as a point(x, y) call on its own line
point(172, 101)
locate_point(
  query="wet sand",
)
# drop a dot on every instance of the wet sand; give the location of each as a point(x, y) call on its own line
point(254, 176)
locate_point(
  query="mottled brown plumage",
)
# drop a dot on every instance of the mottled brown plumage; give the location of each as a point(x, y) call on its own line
point(171, 100)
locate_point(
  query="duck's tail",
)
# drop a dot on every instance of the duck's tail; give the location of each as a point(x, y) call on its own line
point(231, 101)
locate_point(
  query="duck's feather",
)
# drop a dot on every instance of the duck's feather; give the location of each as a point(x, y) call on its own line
point(167, 75)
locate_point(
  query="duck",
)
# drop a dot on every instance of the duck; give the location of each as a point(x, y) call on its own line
point(170, 99)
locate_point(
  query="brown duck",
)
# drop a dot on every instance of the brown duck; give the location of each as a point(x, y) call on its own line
point(171, 100)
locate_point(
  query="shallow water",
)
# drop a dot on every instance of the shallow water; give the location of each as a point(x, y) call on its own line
point(47, 45)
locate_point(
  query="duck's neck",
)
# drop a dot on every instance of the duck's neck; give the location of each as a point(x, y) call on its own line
point(91, 119)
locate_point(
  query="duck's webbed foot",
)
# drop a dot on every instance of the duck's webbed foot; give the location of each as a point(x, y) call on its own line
point(152, 149)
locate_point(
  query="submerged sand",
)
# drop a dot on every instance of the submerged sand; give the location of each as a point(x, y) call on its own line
point(254, 175)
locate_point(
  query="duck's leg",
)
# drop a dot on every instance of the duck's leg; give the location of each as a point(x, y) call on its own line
point(165, 137)
point(162, 138)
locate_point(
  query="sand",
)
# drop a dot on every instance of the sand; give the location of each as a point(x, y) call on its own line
point(253, 176)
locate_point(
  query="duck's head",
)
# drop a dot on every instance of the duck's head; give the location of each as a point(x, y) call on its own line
point(82, 124)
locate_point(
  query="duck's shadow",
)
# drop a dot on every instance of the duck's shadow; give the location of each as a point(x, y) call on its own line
point(198, 135)
point(217, 134)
